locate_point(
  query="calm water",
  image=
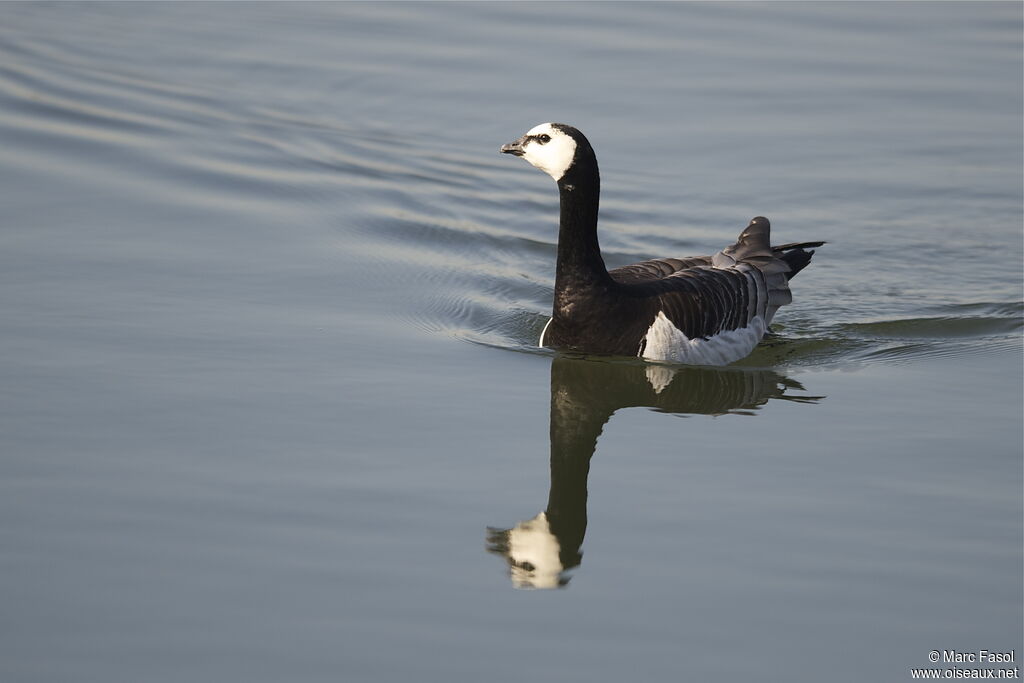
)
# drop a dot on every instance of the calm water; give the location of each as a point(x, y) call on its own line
point(269, 404)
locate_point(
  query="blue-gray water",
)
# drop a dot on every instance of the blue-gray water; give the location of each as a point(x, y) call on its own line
point(269, 296)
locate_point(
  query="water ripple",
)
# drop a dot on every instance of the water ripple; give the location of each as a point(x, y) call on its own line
point(484, 279)
point(467, 238)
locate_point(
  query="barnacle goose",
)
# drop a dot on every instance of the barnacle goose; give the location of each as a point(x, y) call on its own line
point(704, 310)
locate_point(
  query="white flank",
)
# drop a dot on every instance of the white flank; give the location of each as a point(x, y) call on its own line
point(533, 550)
point(665, 342)
point(542, 332)
point(553, 157)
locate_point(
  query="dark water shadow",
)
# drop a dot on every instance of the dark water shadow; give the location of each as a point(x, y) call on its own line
point(540, 552)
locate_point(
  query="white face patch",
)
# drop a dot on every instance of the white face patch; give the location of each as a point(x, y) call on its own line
point(549, 149)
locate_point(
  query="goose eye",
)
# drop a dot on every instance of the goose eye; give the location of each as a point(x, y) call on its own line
point(543, 138)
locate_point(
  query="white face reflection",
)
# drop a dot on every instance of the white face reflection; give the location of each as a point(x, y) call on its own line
point(533, 555)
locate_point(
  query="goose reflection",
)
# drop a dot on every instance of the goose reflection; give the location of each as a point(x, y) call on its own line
point(540, 552)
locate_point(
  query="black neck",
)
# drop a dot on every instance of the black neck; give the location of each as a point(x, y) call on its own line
point(579, 255)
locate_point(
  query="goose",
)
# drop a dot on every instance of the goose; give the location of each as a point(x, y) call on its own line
point(703, 310)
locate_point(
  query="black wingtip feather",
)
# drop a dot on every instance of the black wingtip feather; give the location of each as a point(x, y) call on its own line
point(798, 245)
point(796, 258)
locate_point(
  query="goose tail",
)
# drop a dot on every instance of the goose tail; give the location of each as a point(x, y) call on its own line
point(796, 255)
point(777, 265)
point(752, 247)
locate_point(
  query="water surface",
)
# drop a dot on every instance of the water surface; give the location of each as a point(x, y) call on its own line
point(270, 402)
